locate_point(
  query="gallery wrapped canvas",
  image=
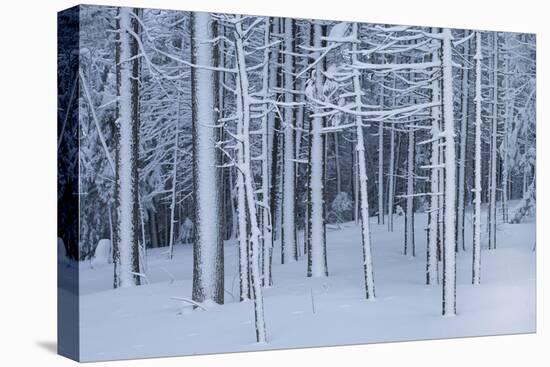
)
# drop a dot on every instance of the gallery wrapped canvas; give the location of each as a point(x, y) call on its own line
point(238, 183)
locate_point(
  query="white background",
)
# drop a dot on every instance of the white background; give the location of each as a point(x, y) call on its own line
point(28, 181)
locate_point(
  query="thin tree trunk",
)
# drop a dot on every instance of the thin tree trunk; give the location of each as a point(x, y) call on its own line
point(337, 162)
point(391, 174)
point(433, 215)
point(362, 178)
point(493, 161)
point(174, 187)
point(244, 171)
point(267, 236)
point(409, 216)
point(509, 112)
point(289, 249)
point(461, 200)
point(476, 247)
point(381, 164)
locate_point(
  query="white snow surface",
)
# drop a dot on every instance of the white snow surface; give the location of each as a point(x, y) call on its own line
point(103, 253)
point(302, 312)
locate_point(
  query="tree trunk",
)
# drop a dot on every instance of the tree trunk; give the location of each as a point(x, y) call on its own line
point(128, 151)
point(409, 216)
point(207, 241)
point(381, 164)
point(493, 160)
point(267, 227)
point(461, 200)
point(289, 249)
point(449, 254)
point(391, 174)
point(316, 226)
point(433, 215)
point(245, 173)
point(476, 247)
point(362, 178)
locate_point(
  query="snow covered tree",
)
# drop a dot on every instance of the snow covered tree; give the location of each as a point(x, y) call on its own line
point(449, 254)
point(476, 246)
point(463, 139)
point(222, 139)
point(316, 248)
point(127, 177)
point(432, 257)
point(208, 242)
point(409, 248)
point(268, 80)
point(248, 215)
point(289, 246)
point(492, 209)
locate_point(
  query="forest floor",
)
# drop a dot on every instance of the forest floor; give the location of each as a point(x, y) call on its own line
point(303, 312)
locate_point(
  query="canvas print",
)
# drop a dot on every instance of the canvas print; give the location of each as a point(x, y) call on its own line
point(239, 183)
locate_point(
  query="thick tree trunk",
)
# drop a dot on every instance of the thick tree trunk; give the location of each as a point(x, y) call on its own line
point(128, 152)
point(449, 253)
point(317, 266)
point(208, 241)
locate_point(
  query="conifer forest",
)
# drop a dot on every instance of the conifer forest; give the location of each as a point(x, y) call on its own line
point(252, 182)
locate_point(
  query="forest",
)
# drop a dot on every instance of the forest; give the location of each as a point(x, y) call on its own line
point(255, 151)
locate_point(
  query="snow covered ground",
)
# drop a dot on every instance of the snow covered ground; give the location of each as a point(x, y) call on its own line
point(302, 312)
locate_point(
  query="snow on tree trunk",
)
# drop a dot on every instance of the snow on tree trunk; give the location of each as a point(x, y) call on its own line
point(208, 241)
point(391, 169)
point(274, 139)
point(128, 149)
point(381, 164)
point(449, 254)
point(174, 187)
point(493, 158)
point(267, 226)
point(508, 116)
point(244, 268)
point(409, 248)
point(317, 266)
point(476, 247)
point(355, 181)
point(289, 248)
point(433, 215)
point(244, 171)
point(391, 173)
point(362, 177)
point(461, 200)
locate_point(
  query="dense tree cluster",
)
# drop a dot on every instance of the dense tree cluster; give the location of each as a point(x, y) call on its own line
point(199, 128)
